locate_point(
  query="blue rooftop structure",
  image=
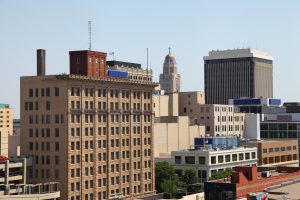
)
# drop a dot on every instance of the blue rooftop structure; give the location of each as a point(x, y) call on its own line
point(255, 102)
point(228, 142)
point(3, 105)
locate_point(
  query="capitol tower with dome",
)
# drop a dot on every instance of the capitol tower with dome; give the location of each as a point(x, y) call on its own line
point(170, 80)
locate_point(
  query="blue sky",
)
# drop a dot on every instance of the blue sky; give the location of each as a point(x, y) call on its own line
point(190, 28)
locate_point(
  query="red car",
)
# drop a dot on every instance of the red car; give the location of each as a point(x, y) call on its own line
point(3, 158)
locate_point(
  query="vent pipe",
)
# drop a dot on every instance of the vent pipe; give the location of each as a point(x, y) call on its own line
point(41, 62)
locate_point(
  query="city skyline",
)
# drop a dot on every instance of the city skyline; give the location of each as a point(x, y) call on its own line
point(127, 29)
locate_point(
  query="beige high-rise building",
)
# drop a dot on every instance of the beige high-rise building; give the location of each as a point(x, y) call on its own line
point(94, 135)
point(172, 132)
point(6, 127)
point(6, 118)
point(221, 120)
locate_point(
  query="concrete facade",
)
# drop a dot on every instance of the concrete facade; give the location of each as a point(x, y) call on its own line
point(252, 126)
point(233, 74)
point(189, 103)
point(14, 185)
point(165, 105)
point(173, 134)
point(93, 135)
point(3, 143)
point(208, 161)
point(14, 139)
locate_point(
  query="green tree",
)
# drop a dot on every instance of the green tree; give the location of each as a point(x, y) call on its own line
point(189, 177)
point(164, 171)
point(222, 174)
point(169, 186)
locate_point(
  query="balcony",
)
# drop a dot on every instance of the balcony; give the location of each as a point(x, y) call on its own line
point(89, 110)
point(126, 111)
point(115, 110)
point(148, 111)
point(102, 110)
point(136, 111)
point(75, 110)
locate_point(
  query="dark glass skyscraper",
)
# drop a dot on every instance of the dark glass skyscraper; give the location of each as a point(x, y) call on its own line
point(233, 74)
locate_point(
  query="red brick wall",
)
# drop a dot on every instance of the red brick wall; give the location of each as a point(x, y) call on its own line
point(88, 63)
point(261, 184)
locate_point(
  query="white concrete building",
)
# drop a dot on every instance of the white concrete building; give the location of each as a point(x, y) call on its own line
point(207, 161)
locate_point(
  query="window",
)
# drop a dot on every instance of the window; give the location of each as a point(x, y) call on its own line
point(220, 159)
point(56, 146)
point(247, 156)
point(189, 160)
point(57, 132)
point(48, 92)
point(30, 92)
point(213, 160)
point(47, 105)
point(265, 150)
point(234, 157)
point(241, 156)
point(56, 91)
point(177, 159)
point(227, 158)
point(201, 160)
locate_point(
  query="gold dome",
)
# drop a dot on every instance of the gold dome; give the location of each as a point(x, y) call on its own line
point(170, 55)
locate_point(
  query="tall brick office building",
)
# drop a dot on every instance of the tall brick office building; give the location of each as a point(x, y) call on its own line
point(90, 132)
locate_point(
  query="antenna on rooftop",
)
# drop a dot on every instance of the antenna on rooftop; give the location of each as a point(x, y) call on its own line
point(147, 57)
point(90, 35)
point(147, 61)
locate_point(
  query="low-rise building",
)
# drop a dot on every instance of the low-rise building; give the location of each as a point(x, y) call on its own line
point(247, 180)
point(207, 160)
point(13, 182)
point(275, 152)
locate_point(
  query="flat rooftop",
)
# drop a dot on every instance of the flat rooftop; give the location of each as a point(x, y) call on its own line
point(94, 79)
point(209, 149)
point(237, 53)
point(268, 141)
point(289, 191)
point(113, 63)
